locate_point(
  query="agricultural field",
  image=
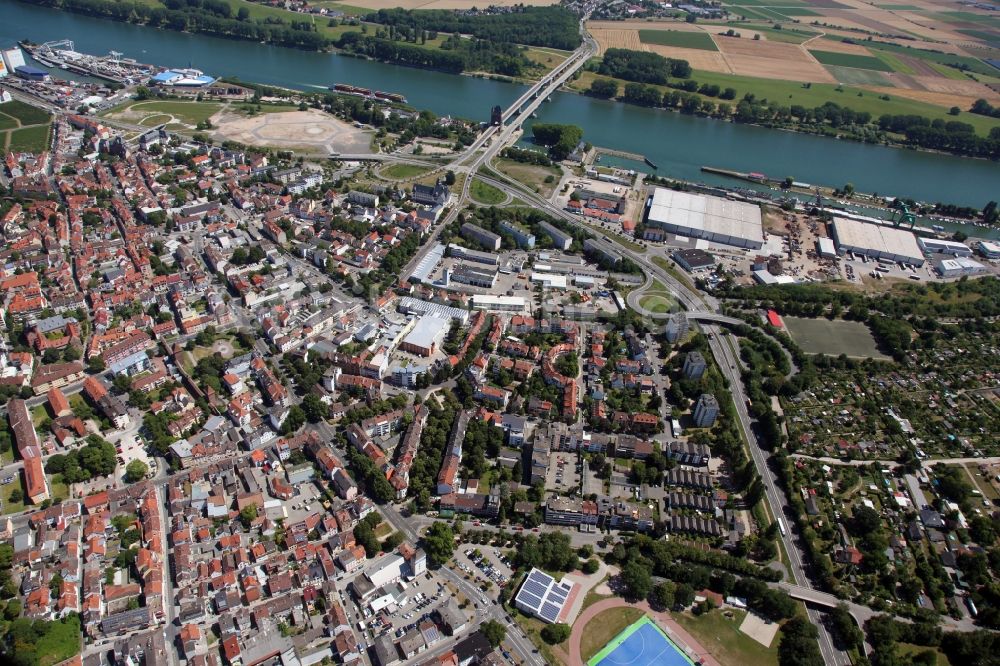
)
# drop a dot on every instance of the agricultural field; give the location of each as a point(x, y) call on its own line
point(859, 77)
point(833, 338)
point(688, 40)
point(851, 60)
point(772, 60)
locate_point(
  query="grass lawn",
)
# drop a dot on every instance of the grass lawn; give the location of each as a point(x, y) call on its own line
point(822, 336)
point(792, 92)
point(532, 627)
point(723, 639)
point(531, 175)
point(605, 626)
point(657, 303)
point(6, 122)
point(688, 40)
point(850, 60)
point(57, 487)
point(155, 119)
point(190, 113)
point(486, 194)
point(30, 139)
point(38, 414)
point(678, 274)
point(546, 57)
point(27, 114)
point(910, 650)
point(401, 171)
point(383, 530)
point(5, 491)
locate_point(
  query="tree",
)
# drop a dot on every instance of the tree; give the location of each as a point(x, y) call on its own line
point(136, 471)
point(605, 88)
point(798, 645)
point(449, 177)
point(494, 632)
point(663, 595)
point(637, 580)
point(439, 543)
point(556, 633)
point(296, 419)
point(248, 514)
point(314, 408)
point(591, 566)
point(16, 495)
point(142, 93)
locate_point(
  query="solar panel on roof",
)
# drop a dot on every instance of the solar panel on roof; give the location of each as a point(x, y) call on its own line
point(550, 612)
point(535, 587)
point(558, 593)
point(540, 577)
point(530, 599)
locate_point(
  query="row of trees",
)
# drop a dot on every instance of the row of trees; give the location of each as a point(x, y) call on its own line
point(197, 18)
point(554, 27)
point(642, 67)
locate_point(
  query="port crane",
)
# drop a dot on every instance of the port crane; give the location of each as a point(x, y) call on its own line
point(901, 215)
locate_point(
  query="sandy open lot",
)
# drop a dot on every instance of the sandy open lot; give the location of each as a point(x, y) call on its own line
point(712, 61)
point(310, 130)
point(772, 60)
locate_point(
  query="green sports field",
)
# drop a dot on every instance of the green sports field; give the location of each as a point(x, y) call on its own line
point(833, 338)
point(850, 60)
point(687, 40)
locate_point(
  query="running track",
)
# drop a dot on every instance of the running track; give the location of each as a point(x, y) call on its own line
point(663, 619)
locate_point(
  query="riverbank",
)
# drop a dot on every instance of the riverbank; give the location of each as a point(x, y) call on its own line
point(861, 110)
point(678, 144)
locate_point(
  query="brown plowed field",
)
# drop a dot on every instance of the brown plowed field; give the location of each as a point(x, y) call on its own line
point(919, 67)
point(772, 60)
point(940, 99)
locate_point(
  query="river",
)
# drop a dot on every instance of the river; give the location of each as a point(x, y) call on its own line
point(679, 145)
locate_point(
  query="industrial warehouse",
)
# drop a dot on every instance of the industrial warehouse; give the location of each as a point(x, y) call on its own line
point(705, 217)
point(876, 241)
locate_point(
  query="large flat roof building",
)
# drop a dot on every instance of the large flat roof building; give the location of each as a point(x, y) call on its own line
point(425, 336)
point(411, 305)
point(876, 241)
point(705, 217)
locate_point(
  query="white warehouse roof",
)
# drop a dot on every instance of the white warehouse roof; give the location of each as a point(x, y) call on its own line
point(711, 218)
point(878, 241)
point(427, 331)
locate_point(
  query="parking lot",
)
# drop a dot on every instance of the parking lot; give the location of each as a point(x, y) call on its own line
point(484, 564)
point(564, 472)
point(424, 594)
point(132, 447)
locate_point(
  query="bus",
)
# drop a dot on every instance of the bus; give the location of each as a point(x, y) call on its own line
point(781, 527)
